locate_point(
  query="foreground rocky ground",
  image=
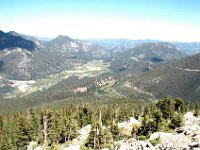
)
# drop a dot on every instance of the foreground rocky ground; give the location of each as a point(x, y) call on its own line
point(183, 138)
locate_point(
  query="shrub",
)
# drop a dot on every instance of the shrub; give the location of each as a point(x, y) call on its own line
point(142, 138)
point(154, 142)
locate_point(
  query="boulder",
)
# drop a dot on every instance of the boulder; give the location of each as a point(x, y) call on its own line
point(160, 135)
point(180, 130)
point(187, 137)
point(196, 144)
point(127, 126)
point(133, 144)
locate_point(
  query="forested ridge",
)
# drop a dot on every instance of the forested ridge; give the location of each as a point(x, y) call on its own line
point(52, 127)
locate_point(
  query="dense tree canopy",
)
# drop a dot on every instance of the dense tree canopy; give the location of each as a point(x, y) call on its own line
point(55, 126)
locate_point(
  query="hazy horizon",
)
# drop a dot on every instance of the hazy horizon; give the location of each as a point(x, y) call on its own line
point(172, 20)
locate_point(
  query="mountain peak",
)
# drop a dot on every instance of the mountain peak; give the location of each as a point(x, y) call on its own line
point(9, 40)
point(1, 32)
point(63, 37)
point(12, 32)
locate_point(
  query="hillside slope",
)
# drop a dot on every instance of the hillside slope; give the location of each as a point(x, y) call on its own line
point(10, 41)
point(179, 79)
point(145, 57)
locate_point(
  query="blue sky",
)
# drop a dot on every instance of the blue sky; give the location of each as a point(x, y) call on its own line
point(168, 20)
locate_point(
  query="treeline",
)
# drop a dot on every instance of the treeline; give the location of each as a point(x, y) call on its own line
point(50, 127)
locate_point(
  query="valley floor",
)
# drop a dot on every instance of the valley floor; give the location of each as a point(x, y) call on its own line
point(23, 88)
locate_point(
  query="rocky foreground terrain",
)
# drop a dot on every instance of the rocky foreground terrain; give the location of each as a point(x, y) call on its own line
point(183, 138)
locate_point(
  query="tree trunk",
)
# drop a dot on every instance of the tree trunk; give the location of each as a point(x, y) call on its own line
point(94, 141)
point(45, 122)
point(69, 135)
point(100, 121)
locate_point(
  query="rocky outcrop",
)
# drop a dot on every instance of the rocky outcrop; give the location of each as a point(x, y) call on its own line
point(77, 142)
point(186, 137)
point(127, 126)
point(173, 141)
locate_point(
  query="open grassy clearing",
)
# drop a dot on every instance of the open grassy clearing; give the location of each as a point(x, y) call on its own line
point(135, 59)
point(91, 69)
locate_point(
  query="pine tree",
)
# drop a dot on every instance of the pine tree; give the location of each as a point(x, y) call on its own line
point(1, 123)
point(53, 130)
point(23, 131)
point(97, 137)
point(84, 116)
point(148, 125)
point(176, 121)
point(157, 115)
point(1, 130)
point(108, 139)
point(72, 129)
point(6, 141)
point(69, 126)
point(45, 120)
point(35, 124)
point(179, 105)
point(9, 134)
point(166, 106)
point(196, 110)
point(115, 131)
point(124, 112)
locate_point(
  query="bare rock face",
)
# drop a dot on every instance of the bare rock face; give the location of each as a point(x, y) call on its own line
point(187, 137)
point(174, 141)
point(191, 120)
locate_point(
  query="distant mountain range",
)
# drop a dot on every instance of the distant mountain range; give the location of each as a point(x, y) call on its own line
point(146, 69)
point(188, 48)
point(122, 43)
